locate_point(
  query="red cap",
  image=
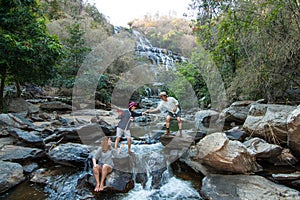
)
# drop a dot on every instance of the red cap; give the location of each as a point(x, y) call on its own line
point(131, 104)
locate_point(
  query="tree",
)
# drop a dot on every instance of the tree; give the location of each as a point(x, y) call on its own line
point(76, 48)
point(255, 45)
point(27, 52)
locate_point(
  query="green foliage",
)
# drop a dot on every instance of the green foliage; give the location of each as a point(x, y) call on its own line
point(75, 53)
point(254, 45)
point(27, 52)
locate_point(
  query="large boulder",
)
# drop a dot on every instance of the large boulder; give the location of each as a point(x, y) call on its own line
point(11, 174)
point(262, 149)
point(225, 156)
point(269, 122)
point(20, 154)
point(15, 120)
point(237, 112)
point(70, 154)
point(293, 124)
point(224, 187)
point(19, 105)
point(116, 182)
point(206, 120)
point(30, 139)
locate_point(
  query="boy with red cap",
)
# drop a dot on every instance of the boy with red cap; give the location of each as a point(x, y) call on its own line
point(126, 116)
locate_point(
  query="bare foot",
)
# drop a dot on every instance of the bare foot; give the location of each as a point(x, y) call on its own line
point(167, 131)
point(130, 151)
point(97, 188)
point(101, 188)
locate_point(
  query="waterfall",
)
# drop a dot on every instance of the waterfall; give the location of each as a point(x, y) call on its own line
point(148, 92)
point(157, 56)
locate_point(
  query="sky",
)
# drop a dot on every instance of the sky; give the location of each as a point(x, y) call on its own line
point(120, 12)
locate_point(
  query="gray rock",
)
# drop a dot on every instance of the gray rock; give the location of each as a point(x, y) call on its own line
point(225, 156)
point(293, 124)
point(19, 154)
point(70, 154)
point(262, 149)
point(236, 187)
point(11, 174)
point(269, 122)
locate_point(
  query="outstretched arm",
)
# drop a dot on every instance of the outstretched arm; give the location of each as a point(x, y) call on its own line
point(153, 110)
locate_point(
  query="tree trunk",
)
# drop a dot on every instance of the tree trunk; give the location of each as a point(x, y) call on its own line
point(3, 77)
point(18, 89)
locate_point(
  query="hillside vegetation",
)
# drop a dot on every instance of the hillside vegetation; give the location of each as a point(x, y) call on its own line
point(254, 45)
point(167, 32)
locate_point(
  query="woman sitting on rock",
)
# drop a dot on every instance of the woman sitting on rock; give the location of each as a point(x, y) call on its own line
point(102, 162)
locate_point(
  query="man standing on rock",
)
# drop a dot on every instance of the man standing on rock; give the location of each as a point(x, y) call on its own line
point(172, 106)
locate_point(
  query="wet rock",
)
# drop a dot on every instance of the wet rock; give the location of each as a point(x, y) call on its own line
point(41, 176)
point(173, 141)
point(70, 154)
point(29, 168)
point(120, 182)
point(116, 182)
point(69, 134)
point(15, 120)
point(3, 131)
point(30, 139)
point(11, 174)
point(107, 129)
point(20, 154)
point(90, 134)
point(224, 187)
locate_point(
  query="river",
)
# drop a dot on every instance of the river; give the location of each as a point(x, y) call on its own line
point(176, 183)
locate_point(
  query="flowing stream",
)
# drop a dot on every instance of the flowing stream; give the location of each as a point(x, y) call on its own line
point(64, 182)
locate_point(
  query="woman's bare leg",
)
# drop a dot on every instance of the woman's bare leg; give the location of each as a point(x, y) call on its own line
point(106, 169)
point(97, 170)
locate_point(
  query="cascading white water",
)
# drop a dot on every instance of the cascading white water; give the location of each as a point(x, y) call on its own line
point(170, 187)
point(158, 56)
